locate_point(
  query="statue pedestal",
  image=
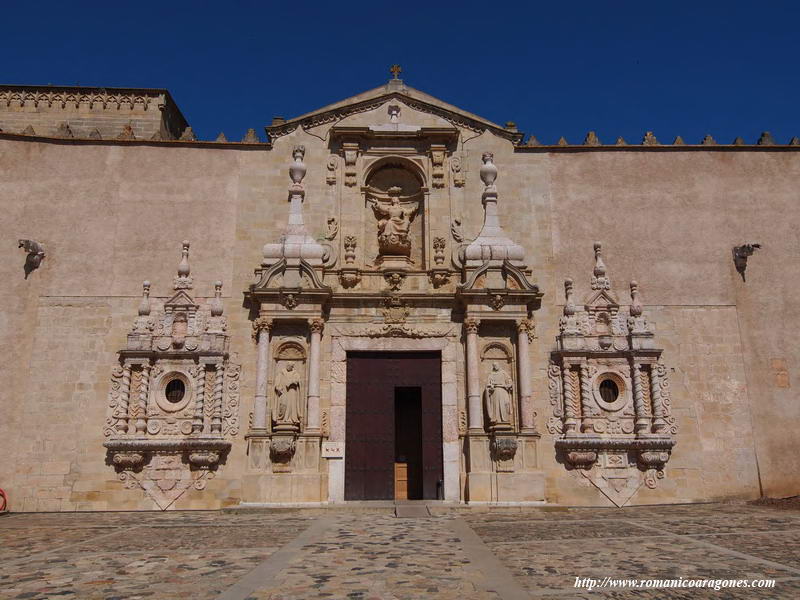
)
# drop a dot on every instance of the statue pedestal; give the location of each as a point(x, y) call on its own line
point(299, 480)
point(503, 469)
point(394, 262)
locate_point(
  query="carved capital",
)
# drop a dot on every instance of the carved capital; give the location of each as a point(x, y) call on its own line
point(259, 324)
point(527, 326)
point(316, 325)
point(471, 325)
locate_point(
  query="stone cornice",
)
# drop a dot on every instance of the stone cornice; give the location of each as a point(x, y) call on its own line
point(116, 142)
point(577, 148)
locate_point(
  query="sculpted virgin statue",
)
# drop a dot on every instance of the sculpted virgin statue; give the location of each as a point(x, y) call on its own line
point(497, 397)
point(394, 223)
point(287, 408)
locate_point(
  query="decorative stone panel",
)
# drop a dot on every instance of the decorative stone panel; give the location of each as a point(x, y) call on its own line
point(609, 392)
point(174, 399)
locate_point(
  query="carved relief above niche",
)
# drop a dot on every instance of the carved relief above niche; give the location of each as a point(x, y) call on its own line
point(174, 399)
point(609, 392)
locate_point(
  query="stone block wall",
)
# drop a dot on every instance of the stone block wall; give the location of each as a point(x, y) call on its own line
point(111, 215)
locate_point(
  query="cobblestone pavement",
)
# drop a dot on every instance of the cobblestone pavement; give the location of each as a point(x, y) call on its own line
point(464, 554)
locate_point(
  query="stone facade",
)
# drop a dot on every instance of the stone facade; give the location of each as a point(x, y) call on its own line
point(392, 221)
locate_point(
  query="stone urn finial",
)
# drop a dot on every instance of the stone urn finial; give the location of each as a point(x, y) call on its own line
point(636, 304)
point(183, 266)
point(184, 280)
point(600, 280)
point(144, 305)
point(216, 303)
point(488, 170)
point(297, 170)
point(599, 265)
point(569, 306)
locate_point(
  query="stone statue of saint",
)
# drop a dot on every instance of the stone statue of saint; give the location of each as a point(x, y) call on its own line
point(287, 409)
point(497, 397)
point(394, 223)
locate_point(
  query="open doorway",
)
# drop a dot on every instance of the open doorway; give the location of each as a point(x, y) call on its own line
point(407, 443)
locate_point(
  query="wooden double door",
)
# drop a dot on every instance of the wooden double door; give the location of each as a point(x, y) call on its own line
point(394, 426)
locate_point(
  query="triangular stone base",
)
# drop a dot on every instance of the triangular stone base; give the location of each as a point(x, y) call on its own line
point(618, 485)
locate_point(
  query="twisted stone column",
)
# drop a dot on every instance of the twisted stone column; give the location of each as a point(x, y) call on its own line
point(586, 391)
point(199, 398)
point(124, 396)
point(216, 415)
point(642, 422)
point(316, 326)
point(261, 331)
point(475, 409)
point(144, 387)
point(524, 331)
point(657, 374)
point(571, 402)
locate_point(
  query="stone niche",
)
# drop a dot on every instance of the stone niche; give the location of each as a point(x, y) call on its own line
point(396, 196)
point(609, 392)
point(174, 399)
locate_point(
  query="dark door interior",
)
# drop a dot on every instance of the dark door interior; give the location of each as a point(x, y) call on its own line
point(408, 436)
point(393, 408)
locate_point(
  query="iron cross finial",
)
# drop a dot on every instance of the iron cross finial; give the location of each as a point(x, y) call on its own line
point(395, 71)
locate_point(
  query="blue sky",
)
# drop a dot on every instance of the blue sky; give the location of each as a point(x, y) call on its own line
point(555, 68)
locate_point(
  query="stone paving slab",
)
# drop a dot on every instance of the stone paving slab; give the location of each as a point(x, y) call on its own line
point(24, 542)
point(380, 557)
point(549, 566)
point(128, 575)
point(461, 554)
point(778, 546)
point(525, 531)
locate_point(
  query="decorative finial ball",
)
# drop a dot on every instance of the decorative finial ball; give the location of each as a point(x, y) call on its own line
point(597, 246)
point(146, 284)
point(218, 284)
point(186, 244)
